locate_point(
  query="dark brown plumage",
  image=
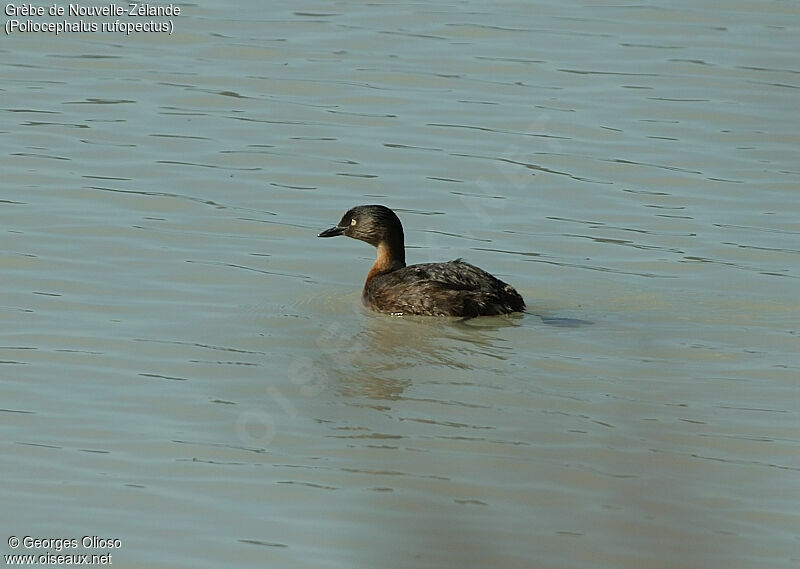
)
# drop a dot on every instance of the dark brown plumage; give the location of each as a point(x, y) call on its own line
point(454, 288)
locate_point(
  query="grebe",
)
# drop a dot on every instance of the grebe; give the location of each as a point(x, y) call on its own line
point(454, 288)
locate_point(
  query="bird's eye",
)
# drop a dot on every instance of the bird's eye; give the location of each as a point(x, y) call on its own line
point(353, 221)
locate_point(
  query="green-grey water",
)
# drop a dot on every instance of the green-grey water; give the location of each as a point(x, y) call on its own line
point(186, 368)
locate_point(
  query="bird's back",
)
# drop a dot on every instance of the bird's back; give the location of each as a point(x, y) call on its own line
point(455, 288)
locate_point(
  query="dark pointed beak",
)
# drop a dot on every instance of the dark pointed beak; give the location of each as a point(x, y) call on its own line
point(332, 232)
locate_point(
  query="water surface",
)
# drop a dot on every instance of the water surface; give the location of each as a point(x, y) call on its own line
point(185, 367)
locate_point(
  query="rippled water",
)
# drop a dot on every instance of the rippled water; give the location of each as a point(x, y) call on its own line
point(186, 368)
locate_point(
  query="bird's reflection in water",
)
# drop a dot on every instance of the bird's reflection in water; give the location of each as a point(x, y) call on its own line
point(382, 358)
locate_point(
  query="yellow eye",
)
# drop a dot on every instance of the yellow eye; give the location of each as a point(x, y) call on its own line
point(352, 221)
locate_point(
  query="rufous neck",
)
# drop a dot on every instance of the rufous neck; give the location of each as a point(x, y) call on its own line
point(390, 257)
